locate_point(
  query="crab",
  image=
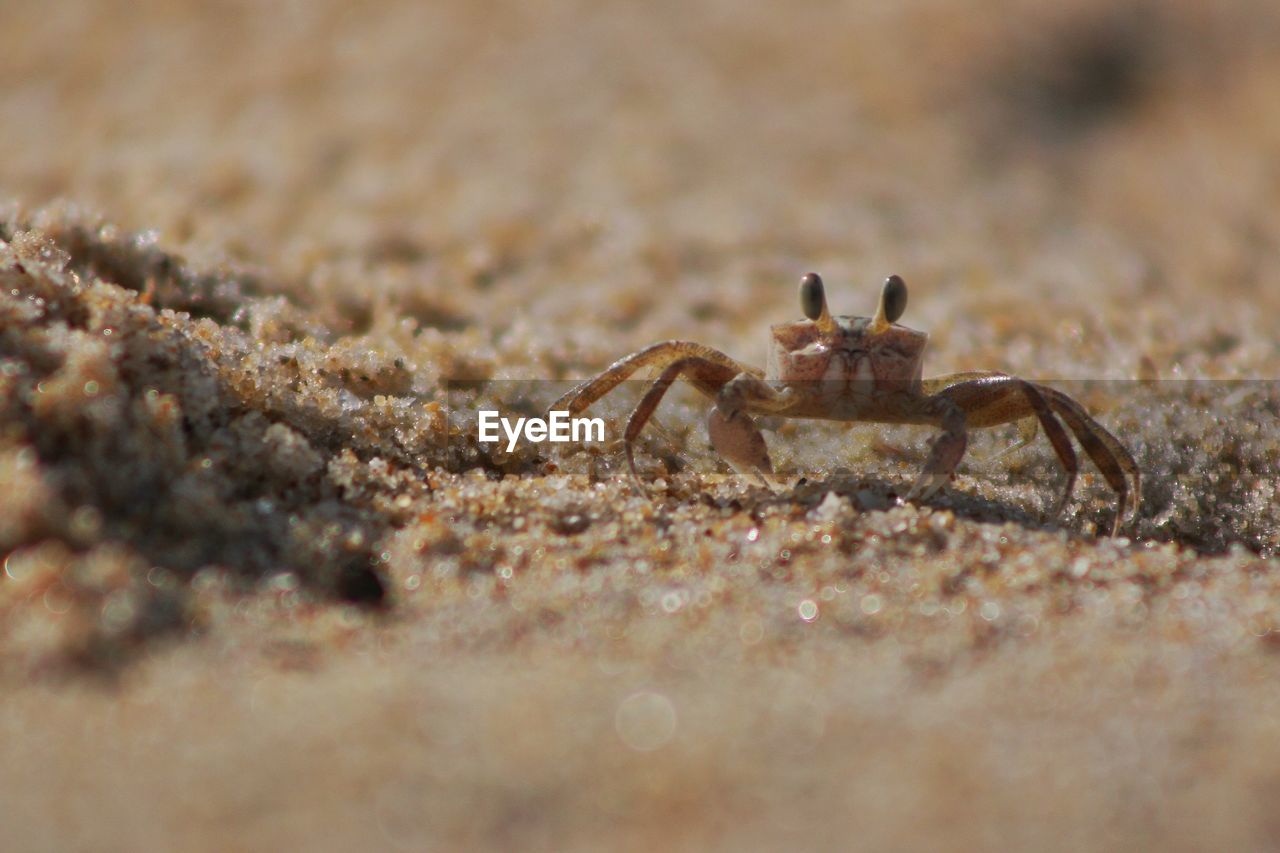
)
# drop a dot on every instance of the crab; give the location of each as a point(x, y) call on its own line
point(866, 369)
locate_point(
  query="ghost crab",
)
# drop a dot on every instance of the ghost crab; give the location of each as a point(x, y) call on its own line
point(861, 369)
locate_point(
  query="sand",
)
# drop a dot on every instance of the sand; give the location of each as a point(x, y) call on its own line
point(263, 587)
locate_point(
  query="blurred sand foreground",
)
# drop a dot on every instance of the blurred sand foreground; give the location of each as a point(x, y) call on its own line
point(264, 590)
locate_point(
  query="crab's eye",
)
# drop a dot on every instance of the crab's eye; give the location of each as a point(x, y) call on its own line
point(894, 298)
point(813, 299)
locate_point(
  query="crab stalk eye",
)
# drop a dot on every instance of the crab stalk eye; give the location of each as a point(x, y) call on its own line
point(894, 297)
point(813, 299)
point(813, 302)
point(893, 302)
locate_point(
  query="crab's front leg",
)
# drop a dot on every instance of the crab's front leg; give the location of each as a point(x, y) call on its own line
point(993, 399)
point(717, 369)
point(707, 375)
point(989, 398)
point(735, 387)
point(734, 434)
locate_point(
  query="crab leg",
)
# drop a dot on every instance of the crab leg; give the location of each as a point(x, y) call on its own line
point(734, 434)
point(1112, 458)
point(708, 376)
point(659, 355)
point(992, 399)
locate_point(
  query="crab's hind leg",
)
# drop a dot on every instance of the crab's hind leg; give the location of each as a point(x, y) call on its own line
point(658, 356)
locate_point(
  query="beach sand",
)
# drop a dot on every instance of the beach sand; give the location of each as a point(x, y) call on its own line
point(260, 264)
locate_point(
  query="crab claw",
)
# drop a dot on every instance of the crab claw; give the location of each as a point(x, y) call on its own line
point(738, 441)
point(944, 456)
point(926, 486)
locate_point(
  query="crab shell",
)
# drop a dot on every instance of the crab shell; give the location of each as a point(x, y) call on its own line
point(853, 352)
